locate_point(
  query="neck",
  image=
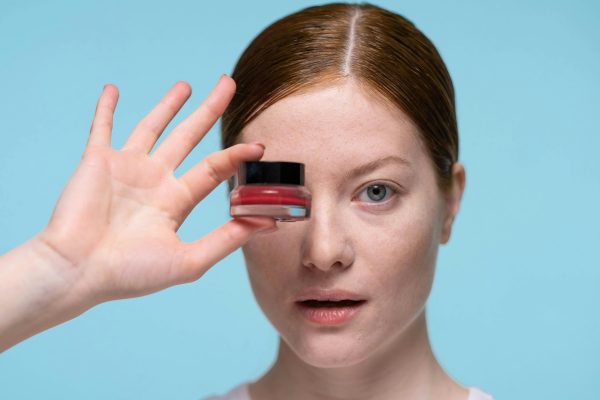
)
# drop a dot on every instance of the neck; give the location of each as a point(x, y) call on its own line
point(403, 368)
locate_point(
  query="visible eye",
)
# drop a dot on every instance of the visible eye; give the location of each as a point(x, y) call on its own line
point(379, 193)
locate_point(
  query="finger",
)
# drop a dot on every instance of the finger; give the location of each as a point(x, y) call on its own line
point(197, 257)
point(180, 142)
point(149, 129)
point(101, 130)
point(205, 176)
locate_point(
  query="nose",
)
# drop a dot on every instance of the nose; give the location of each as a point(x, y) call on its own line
point(326, 242)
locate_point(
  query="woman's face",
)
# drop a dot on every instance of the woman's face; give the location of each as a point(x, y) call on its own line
point(363, 238)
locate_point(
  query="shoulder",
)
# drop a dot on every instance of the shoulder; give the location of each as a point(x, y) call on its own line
point(476, 393)
point(239, 392)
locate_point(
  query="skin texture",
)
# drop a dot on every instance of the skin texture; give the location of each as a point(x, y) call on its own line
point(117, 219)
point(384, 248)
point(113, 232)
point(113, 235)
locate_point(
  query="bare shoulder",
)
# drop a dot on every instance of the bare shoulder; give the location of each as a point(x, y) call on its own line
point(476, 393)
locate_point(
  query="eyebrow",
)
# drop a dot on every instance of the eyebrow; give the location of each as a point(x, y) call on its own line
point(373, 165)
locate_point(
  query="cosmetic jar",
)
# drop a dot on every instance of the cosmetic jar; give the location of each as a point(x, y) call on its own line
point(270, 189)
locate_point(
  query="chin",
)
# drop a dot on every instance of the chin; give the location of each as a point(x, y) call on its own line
point(330, 349)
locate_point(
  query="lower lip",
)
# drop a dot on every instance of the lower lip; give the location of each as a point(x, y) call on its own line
point(329, 316)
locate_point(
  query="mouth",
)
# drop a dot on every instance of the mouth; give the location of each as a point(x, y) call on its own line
point(330, 303)
point(329, 313)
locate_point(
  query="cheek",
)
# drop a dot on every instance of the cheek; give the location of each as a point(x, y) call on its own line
point(271, 271)
point(402, 259)
point(268, 265)
point(401, 262)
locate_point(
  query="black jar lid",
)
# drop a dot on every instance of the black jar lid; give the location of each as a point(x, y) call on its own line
point(271, 172)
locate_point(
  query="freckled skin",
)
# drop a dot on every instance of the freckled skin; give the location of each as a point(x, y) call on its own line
point(384, 250)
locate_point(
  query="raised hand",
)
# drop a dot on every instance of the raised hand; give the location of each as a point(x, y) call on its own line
point(115, 224)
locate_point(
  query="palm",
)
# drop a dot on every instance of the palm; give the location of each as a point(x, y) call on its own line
point(117, 219)
point(120, 214)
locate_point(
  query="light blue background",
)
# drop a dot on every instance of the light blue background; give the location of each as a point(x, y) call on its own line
point(514, 303)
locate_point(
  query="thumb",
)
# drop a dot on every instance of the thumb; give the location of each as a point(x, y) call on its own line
point(197, 257)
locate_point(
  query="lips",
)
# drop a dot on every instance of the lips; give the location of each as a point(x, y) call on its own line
point(329, 313)
point(332, 295)
point(328, 303)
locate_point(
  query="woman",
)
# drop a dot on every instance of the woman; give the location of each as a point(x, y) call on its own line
point(338, 87)
point(362, 98)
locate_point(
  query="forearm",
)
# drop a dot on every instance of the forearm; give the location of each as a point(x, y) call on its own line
point(38, 290)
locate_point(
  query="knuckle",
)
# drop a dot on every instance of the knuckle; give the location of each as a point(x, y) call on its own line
point(234, 232)
point(169, 107)
point(232, 164)
point(211, 171)
point(211, 111)
point(149, 126)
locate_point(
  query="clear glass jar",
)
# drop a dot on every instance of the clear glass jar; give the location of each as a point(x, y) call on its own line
point(272, 189)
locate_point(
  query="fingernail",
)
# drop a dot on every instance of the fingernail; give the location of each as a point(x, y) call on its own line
point(259, 144)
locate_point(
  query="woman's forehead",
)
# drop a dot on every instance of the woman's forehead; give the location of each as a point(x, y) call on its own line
point(339, 122)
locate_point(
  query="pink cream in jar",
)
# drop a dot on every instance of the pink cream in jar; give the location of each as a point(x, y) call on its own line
point(270, 189)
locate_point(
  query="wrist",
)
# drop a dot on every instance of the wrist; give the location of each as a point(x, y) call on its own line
point(39, 289)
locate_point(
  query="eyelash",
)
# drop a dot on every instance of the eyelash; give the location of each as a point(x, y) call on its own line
point(394, 192)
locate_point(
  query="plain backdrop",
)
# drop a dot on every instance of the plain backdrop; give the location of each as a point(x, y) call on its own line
point(514, 305)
